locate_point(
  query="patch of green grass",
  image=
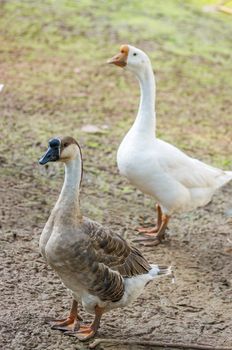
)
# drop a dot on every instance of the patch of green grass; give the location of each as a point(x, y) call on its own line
point(53, 66)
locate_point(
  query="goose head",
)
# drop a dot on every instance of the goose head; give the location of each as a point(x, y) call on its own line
point(131, 58)
point(61, 149)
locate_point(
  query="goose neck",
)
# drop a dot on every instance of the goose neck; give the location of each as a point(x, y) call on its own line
point(146, 119)
point(69, 196)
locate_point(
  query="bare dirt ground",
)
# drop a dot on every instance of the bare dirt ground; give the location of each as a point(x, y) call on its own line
point(56, 82)
point(196, 309)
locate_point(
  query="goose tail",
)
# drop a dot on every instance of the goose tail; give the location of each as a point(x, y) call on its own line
point(225, 178)
point(229, 175)
point(160, 270)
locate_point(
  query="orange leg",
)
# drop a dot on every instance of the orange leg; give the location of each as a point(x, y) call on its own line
point(155, 238)
point(155, 229)
point(71, 323)
point(86, 332)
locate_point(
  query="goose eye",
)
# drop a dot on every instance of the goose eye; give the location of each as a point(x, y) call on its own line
point(65, 144)
point(134, 54)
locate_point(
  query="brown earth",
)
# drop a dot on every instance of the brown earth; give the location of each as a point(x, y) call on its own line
point(195, 309)
point(55, 87)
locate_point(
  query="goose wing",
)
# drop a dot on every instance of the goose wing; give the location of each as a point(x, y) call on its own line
point(190, 172)
point(105, 259)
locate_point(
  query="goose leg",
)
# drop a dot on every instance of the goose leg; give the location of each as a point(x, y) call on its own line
point(86, 332)
point(150, 231)
point(155, 238)
point(71, 323)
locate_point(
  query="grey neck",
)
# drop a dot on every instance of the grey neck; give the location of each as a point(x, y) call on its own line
point(69, 196)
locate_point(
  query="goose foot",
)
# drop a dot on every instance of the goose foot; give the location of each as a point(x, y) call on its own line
point(71, 323)
point(154, 238)
point(68, 324)
point(150, 231)
point(86, 332)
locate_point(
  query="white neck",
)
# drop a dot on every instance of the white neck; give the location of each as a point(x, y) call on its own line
point(146, 119)
point(69, 196)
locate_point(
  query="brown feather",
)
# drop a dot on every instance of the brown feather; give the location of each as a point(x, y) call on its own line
point(105, 259)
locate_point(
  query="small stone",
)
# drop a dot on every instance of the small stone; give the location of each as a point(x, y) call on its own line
point(92, 129)
point(228, 213)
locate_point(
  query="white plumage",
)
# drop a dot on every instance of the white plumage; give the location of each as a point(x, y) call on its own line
point(176, 181)
point(134, 286)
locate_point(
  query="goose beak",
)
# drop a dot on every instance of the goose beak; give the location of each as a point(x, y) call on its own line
point(51, 155)
point(121, 58)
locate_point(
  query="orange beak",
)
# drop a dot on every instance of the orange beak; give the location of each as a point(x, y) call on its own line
point(121, 58)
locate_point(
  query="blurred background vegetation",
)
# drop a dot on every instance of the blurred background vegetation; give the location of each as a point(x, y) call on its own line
point(53, 65)
point(53, 57)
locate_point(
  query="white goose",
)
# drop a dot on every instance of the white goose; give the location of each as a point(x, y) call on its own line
point(100, 268)
point(176, 181)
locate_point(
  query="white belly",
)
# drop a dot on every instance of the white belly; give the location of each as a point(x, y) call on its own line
point(143, 171)
point(133, 288)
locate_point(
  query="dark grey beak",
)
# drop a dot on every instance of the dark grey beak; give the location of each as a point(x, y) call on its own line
point(51, 155)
